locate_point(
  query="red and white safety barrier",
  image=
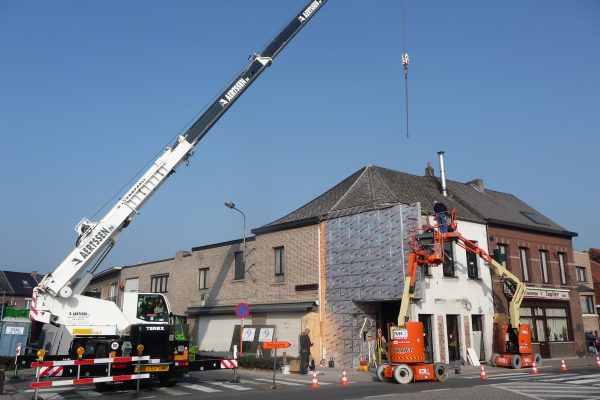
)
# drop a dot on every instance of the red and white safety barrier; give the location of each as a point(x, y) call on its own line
point(48, 369)
point(228, 364)
point(93, 361)
point(87, 381)
point(50, 372)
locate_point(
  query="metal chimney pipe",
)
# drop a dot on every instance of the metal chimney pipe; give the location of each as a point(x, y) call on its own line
point(442, 173)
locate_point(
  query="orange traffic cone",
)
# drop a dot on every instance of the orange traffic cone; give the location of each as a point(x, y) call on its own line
point(534, 369)
point(563, 366)
point(483, 374)
point(597, 361)
point(315, 382)
point(344, 378)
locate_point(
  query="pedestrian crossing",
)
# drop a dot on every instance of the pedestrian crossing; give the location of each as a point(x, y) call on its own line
point(181, 389)
point(551, 377)
point(540, 390)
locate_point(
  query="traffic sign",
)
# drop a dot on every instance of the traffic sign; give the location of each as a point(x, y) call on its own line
point(18, 349)
point(242, 310)
point(276, 345)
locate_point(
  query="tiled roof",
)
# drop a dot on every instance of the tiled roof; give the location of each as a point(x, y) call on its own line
point(374, 187)
point(370, 188)
point(21, 283)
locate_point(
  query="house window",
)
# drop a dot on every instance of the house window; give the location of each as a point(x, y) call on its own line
point(112, 292)
point(581, 275)
point(587, 304)
point(448, 260)
point(279, 271)
point(562, 267)
point(472, 266)
point(239, 265)
point(203, 278)
point(544, 266)
point(550, 320)
point(502, 251)
point(27, 304)
point(159, 283)
point(524, 264)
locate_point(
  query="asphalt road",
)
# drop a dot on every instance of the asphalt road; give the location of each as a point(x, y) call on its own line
point(581, 382)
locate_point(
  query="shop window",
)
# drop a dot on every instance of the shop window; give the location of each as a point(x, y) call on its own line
point(547, 323)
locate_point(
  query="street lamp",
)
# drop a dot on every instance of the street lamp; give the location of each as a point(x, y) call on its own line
point(231, 204)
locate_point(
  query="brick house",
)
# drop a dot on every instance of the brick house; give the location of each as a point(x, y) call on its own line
point(540, 253)
point(585, 287)
point(16, 288)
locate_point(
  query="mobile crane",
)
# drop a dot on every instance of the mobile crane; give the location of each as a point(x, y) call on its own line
point(406, 349)
point(100, 326)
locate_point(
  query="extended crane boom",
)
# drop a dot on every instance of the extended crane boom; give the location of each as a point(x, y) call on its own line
point(96, 239)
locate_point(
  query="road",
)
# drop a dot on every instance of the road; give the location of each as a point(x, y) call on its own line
point(582, 382)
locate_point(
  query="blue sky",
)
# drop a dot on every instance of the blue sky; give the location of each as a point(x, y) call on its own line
point(92, 91)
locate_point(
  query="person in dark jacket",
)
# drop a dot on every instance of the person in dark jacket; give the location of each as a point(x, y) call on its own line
point(441, 214)
point(305, 345)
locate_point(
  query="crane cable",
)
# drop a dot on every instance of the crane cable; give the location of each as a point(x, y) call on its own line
point(405, 61)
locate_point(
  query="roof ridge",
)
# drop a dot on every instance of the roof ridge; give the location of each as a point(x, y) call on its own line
point(385, 183)
point(366, 168)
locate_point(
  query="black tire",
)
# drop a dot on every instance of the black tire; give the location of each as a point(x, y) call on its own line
point(440, 371)
point(101, 387)
point(403, 374)
point(380, 376)
point(537, 359)
point(493, 359)
point(515, 361)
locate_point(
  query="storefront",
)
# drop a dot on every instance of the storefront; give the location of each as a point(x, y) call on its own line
point(548, 313)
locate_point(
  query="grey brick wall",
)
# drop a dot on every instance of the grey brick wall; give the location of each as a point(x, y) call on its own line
point(365, 262)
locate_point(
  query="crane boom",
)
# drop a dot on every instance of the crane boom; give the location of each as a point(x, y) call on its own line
point(96, 239)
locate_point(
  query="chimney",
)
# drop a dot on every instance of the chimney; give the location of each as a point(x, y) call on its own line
point(477, 184)
point(429, 170)
point(442, 173)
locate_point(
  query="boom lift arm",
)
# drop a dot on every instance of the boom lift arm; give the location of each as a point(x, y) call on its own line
point(97, 238)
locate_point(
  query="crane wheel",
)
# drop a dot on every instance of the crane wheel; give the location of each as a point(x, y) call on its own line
point(403, 374)
point(380, 375)
point(537, 359)
point(515, 361)
point(440, 371)
point(493, 359)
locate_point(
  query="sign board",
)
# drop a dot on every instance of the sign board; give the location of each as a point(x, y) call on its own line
point(276, 345)
point(472, 357)
point(15, 330)
point(248, 334)
point(265, 335)
point(242, 310)
point(18, 350)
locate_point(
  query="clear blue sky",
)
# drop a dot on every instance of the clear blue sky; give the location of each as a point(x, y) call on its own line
point(91, 91)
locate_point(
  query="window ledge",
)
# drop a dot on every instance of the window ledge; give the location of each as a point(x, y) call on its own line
point(277, 283)
point(451, 277)
point(475, 278)
point(238, 280)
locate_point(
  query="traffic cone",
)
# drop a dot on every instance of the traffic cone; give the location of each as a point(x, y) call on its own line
point(315, 382)
point(344, 378)
point(534, 369)
point(597, 361)
point(483, 374)
point(563, 366)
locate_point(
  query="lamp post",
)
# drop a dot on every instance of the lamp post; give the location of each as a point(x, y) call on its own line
point(231, 204)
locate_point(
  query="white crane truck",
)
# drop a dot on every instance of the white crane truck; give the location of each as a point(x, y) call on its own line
point(100, 326)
